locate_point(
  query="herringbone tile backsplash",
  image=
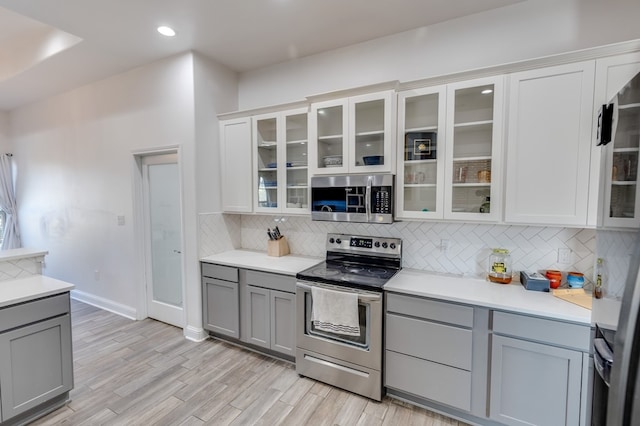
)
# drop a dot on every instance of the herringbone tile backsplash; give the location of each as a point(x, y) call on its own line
point(616, 247)
point(455, 248)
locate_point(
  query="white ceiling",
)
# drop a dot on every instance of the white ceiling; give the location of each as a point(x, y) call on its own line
point(47, 47)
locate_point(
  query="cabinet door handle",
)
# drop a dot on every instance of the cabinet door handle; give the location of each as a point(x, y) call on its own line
point(177, 251)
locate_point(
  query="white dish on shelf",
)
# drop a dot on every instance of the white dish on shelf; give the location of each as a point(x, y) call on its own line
point(332, 160)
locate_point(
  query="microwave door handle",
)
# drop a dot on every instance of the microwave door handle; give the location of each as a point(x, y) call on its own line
point(367, 199)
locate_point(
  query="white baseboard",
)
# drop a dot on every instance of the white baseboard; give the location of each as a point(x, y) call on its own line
point(106, 304)
point(195, 334)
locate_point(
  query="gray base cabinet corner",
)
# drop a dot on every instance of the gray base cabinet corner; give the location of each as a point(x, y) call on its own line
point(532, 383)
point(257, 317)
point(283, 322)
point(257, 308)
point(269, 312)
point(221, 300)
point(36, 360)
point(538, 371)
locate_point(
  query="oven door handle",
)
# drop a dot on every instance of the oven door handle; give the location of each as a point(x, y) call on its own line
point(361, 296)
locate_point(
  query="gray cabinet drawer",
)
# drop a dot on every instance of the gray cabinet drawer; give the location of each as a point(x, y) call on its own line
point(226, 273)
point(279, 282)
point(431, 341)
point(437, 382)
point(33, 311)
point(555, 332)
point(430, 309)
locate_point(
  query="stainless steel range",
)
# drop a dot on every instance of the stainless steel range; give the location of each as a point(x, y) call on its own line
point(339, 312)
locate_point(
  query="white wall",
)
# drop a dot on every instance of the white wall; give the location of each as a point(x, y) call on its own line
point(216, 91)
point(5, 144)
point(74, 155)
point(526, 30)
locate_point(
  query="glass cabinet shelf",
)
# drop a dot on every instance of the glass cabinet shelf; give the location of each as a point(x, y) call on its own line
point(330, 138)
point(420, 161)
point(626, 150)
point(476, 158)
point(371, 133)
point(473, 184)
point(420, 185)
point(473, 124)
point(422, 129)
point(623, 182)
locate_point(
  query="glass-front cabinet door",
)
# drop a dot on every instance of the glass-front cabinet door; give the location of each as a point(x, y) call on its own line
point(474, 142)
point(623, 197)
point(281, 162)
point(329, 123)
point(266, 145)
point(353, 135)
point(370, 132)
point(297, 161)
point(621, 89)
point(420, 153)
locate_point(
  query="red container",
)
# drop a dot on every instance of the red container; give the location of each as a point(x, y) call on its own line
point(555, 278)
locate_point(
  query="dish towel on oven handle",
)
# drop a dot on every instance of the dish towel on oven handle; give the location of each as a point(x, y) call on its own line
point(335, 311)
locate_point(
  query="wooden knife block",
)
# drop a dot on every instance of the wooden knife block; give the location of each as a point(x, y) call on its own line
point(278, 248)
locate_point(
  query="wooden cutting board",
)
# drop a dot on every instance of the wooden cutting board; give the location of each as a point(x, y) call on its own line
point(574, 295)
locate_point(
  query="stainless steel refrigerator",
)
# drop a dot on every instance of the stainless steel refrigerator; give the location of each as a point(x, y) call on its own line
point(624, 390)
point(616, 354)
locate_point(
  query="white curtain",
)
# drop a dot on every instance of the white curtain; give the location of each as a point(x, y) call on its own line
point(11, 236)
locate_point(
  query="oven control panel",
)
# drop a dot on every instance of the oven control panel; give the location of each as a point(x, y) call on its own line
point(364, 244)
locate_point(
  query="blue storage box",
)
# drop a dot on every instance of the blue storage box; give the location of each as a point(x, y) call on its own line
point(534, 281)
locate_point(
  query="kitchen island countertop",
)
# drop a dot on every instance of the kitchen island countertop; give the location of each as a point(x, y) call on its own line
point(510, 297)
point(259, 261)
point(30, 288)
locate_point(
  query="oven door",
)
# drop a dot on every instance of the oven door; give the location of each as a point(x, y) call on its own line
point(364, 350)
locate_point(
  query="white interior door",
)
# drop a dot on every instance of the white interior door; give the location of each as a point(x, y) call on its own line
point(163, 238)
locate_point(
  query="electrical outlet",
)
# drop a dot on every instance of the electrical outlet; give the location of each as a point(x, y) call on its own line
point(444, 245)
point(120, 220)
point(96, 275)
point(564, 255)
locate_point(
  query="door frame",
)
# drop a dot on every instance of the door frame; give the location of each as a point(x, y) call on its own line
point(141, 231)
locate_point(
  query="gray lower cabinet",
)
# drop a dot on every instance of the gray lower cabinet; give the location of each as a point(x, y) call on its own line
point(257, 317)
point(36, 360)
point(429, 349)
point(537, 371)
point(269, 311)
point(255, 307)
point(221, 299)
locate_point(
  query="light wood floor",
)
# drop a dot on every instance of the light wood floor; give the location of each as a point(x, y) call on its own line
point(145, 372)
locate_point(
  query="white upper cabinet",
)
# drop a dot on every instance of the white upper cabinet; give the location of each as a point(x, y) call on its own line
point(618, 82)
point(473, 153)
point(449, 151)
point(281, 162)
point(420, 153)
point(236, 165)
point(353, 135)
point(549, 145)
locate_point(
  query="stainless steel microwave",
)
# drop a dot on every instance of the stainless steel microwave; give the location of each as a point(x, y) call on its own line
point(353, 198)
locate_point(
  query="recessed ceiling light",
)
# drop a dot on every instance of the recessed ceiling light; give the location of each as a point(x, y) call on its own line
point(166, 31)
point(486, 91)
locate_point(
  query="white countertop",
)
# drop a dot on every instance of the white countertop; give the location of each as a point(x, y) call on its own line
point(20, 253)
point(29, 288)
point(605, 313)
point(512, 297)
point(259, 261)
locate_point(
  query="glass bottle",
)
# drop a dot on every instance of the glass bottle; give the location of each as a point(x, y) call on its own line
point(599, 278)
point(500, 266)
